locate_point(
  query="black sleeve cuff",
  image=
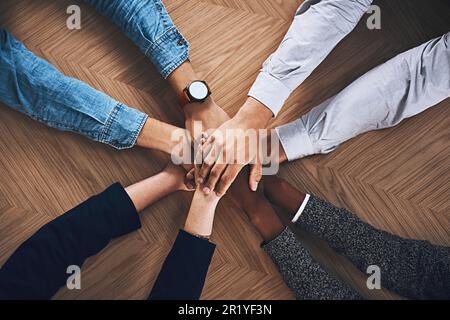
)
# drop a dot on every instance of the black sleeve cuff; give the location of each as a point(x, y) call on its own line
point(122, 215)
point(196, 243)
point(184, 271)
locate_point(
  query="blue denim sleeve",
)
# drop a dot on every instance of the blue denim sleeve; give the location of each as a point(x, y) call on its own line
point(34, 87)
point(148, 25)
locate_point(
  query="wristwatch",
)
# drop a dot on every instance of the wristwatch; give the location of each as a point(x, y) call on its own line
point(197, 91)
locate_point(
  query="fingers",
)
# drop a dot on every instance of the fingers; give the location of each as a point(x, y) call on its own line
point(210, 152)
point(255, 175)
point(213, 178)
point(190, 175)
point(229, 175)
point(198, 163)
point(198, 159)
point(189, 181)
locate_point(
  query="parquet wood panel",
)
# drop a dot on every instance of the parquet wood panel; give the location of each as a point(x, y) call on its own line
point(396, 179)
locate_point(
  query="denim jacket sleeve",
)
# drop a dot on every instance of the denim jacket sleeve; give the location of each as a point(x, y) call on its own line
point(148, 25)
point(319, 25)
point(34, 87)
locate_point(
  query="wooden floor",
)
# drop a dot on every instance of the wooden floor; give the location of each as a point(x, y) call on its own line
point(396, 179)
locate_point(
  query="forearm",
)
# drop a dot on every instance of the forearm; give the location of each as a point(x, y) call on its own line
point(415, 269)
point(258, 210)
point(164, 137)
point(305, 277)
point(201, 214)
point(398, 89)
point(184, 271)
point(275, 153)
point(207, 113)
point(181, 77)
point(150, 190)
point(264, 219)
point(303, 48)
point(253, 114)
point(34, 87)
point(149, 26)
point(317, 28)
point(37, 269)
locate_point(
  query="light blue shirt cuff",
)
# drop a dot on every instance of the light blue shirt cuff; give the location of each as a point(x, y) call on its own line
point(270, 91)
point(295, 140)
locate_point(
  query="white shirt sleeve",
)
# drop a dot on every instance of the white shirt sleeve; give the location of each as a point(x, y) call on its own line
point(319, 25)
point(398, 89)
point(302, 207)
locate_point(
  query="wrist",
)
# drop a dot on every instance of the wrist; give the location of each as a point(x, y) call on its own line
point(253, 114)
point(277, 155)
point(191, 109)
point(206, 202)
point(202, 237)
point(180, 78)
point(172, 181)
point(159, 135)
point(282, 156)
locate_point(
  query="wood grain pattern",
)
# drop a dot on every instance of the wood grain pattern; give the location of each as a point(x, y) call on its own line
point(396, 179)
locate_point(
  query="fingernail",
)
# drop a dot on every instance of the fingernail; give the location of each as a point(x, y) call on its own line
point(254, 186)
point(206, 190)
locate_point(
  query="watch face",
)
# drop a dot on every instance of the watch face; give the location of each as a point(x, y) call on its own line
point(198, 90)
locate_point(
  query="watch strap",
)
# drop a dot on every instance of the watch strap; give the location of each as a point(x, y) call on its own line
point(184, 98)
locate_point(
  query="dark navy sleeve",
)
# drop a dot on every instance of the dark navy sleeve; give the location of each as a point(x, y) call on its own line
point(184, 271)
point(37, 269)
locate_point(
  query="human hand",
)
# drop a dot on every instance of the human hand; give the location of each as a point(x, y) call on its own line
point(207, 114)
point(164, 137)
point(221, 145)
point(177, 175)
point(201, 214)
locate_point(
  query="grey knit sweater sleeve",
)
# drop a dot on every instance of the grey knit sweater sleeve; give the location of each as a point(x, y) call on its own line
point(412, 268)
point(306, 278)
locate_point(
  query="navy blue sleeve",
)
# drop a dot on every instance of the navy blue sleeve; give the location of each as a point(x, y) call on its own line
point(37, 269)
point(184, 271)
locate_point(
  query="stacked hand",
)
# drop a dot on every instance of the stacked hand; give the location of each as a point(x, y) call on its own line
point(177, 175)
point(224, 157)
point(207, 119)
point(215, 175)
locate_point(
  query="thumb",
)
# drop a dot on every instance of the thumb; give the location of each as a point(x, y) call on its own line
point(255, 175)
